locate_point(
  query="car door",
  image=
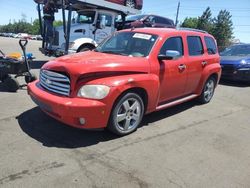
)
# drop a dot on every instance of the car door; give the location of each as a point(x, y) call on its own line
point(102, 34)
point(194, 63)
point(173, 75)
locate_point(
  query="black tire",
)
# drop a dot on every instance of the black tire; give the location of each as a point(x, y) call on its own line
point(30, 78)
point(11, 84)
point(130, 109)
point(208, 91)
point(86, 48)
point(130, 3)
point(3, 76)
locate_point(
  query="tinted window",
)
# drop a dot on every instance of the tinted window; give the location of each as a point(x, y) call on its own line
point(108, 19)
point(211, 46)
point(174, 43)
point(238, 50)
point(195, 46)
point(163, 21)
point(86, 17)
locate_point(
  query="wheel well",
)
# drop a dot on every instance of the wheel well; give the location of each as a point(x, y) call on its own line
point(140, 91)
point(89, 45)
point(215, 76)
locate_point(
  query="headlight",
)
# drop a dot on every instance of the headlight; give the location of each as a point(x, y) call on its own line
point(244, 62)
point(93, 91)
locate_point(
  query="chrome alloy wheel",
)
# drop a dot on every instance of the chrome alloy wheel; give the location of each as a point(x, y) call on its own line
point(130, 3)
point(128, 115)
point(209, 90)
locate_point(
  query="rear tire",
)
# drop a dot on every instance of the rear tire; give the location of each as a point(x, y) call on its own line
point(11, 84)
point(208, 91)
point(127, 114)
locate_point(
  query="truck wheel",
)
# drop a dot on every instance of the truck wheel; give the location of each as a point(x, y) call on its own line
point(86, 48)
point(126, 114)
point(30, 78)
point(130, 3)
point(11, 84)
point(208, 91)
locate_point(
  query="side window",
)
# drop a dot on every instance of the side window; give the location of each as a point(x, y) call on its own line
point(173, 43)
point(108, 19)
point(195, 46)
point(211, 46)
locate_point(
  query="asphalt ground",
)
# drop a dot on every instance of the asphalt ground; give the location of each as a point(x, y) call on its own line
point(189, 145)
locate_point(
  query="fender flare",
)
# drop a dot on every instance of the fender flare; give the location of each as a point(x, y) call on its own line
point(122, 83)
point(207, 72)
point(83, 41)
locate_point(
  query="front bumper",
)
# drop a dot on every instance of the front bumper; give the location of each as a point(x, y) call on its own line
point(70, 110)
point(237, 74)
point(56, 52)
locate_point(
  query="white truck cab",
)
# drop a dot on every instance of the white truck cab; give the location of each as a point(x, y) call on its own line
point(95, 21)
point(89, 29)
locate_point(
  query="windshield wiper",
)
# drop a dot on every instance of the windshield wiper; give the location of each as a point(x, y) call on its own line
point(113, 52)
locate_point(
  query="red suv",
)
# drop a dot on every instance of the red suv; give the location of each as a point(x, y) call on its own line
point(132, 73)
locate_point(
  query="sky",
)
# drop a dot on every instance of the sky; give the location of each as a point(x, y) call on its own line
point(11, 10)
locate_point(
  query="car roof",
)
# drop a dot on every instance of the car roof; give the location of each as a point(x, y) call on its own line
point(166, 31)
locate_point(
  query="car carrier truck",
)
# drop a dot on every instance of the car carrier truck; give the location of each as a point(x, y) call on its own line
point(94, 22)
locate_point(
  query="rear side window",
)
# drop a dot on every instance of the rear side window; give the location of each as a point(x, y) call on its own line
point(195, 46)
point(163, 21)
point(173, 43)
point(211, 46)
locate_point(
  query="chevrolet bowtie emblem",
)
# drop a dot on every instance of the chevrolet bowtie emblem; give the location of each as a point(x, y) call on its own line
point(48, 81)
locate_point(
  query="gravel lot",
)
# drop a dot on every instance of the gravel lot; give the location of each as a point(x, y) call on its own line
point(185, 146)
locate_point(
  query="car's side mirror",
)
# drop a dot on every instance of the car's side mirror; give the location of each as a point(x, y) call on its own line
point(170, 54)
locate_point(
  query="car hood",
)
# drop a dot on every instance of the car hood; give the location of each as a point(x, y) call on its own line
point(96, 62)
point(233, 60)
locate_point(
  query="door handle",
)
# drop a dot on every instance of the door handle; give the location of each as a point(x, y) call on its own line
point(182, 67)
point(203, 63)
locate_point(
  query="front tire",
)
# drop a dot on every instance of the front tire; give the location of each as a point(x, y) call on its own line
point(208, 91)
point(127, 114)
point(86, 48)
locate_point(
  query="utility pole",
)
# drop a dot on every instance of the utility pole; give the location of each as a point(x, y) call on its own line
point(177, 14)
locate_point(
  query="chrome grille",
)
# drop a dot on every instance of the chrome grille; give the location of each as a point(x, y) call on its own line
point(55, 82)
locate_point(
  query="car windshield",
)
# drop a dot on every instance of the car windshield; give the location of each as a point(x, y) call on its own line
point(86, 17)
point(134, 18)
point(239, 50)
point(128, 44)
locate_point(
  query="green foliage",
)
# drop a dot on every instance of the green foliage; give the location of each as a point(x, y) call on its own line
point(205, 22)
point(190, 22)
point(221, 27)
point(23, 27)
point(57, 23)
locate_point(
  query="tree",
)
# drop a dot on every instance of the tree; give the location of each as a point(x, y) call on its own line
point(223, 29)
point(190, 23)
point(57, 23)
point(35, 30)
point(205, 21)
